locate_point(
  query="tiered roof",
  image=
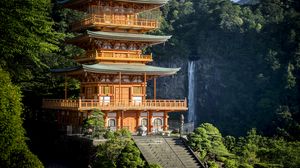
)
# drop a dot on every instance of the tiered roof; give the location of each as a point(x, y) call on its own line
point(115, 67)
point(151, 39)
point(77, 4)
point(123, 68)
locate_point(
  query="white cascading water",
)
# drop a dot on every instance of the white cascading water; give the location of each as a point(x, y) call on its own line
point(191, 96)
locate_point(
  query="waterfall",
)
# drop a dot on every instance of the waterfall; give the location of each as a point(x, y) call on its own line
point(191, 88)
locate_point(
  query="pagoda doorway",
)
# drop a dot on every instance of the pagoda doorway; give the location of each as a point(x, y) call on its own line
point(125, 95)
point(129, 121)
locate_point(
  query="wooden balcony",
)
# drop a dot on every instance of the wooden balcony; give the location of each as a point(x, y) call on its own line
point(99, 22)
point(114, 56)
point(89, 104)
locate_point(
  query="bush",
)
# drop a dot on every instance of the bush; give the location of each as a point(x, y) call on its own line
point(118, 151)
point(94, 124)
point(208, 142)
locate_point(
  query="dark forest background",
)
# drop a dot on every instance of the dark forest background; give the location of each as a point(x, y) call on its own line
point(248, 70)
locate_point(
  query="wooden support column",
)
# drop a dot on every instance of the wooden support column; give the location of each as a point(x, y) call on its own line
point(137, 118)
point(105, 119)
point(122, 119)
point(166, 121)
point(120, 82)
point(154, 89)
point(118, 120)
point(145, 81)
point(149, 122)
point(66, 87)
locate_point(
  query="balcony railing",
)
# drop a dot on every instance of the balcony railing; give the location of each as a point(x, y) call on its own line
point(88, 104)
point(111, 21)
point(115, 55)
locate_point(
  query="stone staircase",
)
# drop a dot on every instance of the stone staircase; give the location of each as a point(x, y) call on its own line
point(169, 152)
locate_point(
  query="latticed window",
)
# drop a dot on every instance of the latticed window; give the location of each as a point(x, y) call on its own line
point(137, 90)
point(105, 90)
point(111, 122)
point(157, 122)
point(144, 122)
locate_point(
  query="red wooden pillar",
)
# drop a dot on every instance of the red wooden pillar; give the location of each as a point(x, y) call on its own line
point(166, 121)
point(149, 122)
point(105, 120)
point(118, 120)
point(138, 119)
point(122, 119)
point(144, 87)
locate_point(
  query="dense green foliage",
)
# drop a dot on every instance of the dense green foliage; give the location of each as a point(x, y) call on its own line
point(27, 42)
point(248, 61)
point(118, 151)
point(27, 37)
point(94, 124)
point(13, 149)
point(251, 151)
point(207, 140)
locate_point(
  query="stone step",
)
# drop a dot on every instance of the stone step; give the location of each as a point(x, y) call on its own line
point(168, 152)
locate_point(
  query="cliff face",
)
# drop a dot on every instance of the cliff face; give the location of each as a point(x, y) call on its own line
point(171, 87)
point(210, 88)
point(177, 86)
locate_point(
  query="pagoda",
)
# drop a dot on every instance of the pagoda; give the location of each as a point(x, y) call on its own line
point(113, 72)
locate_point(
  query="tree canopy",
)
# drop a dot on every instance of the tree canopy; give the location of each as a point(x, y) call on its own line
point(247, 56)
point(251, 151)
point(27, 37)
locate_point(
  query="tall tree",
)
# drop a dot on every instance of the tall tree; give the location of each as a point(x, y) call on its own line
point(13, 149)
point(26, 37)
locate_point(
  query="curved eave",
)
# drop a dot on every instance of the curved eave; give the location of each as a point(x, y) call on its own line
point(120, 37)
point(74, 4)
point(116, 68)
point(128, 36)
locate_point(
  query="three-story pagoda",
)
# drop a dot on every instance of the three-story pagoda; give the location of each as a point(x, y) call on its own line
point(113, 73)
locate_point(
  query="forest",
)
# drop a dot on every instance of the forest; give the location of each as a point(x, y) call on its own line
point(248, 85)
